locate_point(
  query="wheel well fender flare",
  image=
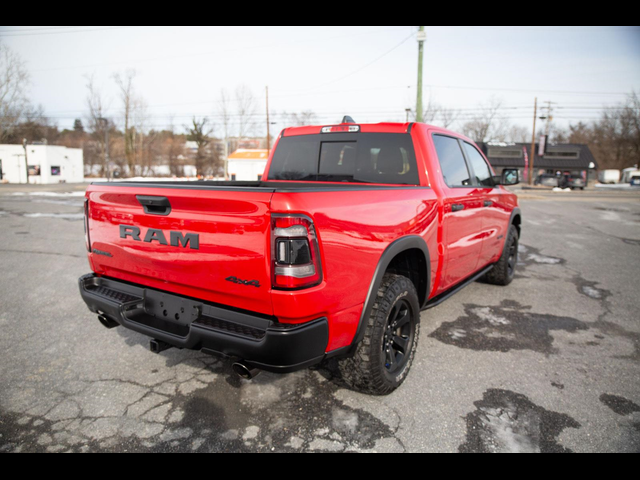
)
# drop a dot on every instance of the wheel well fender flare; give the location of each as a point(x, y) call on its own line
point(404, 244)
point(516, 219)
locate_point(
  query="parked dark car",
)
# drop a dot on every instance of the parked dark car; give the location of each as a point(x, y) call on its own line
point(547, 180)
point(572, 182)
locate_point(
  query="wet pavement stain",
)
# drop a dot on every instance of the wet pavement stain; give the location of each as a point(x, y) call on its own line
point(629, 241)
point(609, 209)
point(590, 289)
point(627, 421)
point(619, 405)
point(529, 256)
point(507, 327)
point(607, 328)
point(212, 411)
point(295, 412)
point(506, 421)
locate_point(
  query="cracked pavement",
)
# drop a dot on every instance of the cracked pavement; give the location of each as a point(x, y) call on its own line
point(550, 363)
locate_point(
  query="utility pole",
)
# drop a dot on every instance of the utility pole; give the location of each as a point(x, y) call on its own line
point(105, 124)
point(268, 135)
point(421, 37)
point(533, 141)
point(548, 117)
point(26, 162)
point(407, 111)
point(226, 154)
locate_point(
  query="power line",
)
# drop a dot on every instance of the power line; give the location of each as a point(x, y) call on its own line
point(507, 112)
point(215, 52)
point(520, 90)
point(36, 29)
point(366, 65)
point(2, 34)
point(507, 109)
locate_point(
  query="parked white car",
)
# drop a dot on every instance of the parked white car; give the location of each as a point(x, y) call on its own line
point(609, 176)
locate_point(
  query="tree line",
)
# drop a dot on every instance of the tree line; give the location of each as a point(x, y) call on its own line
point(118, 138)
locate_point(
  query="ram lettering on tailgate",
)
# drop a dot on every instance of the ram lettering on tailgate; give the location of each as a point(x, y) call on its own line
point(176, 239)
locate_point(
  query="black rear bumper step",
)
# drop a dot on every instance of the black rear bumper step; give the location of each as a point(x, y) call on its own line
point(187, 323)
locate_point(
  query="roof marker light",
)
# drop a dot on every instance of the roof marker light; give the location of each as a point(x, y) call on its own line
point(341, 129)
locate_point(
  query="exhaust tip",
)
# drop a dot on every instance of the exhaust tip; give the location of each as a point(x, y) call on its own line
point(107, 322)
point(245, 372)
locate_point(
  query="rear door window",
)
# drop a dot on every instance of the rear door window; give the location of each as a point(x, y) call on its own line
point(452, 163)
point(384, 158)
point(481, 170)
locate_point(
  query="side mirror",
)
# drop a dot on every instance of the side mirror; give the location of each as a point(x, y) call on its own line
point(510, 176)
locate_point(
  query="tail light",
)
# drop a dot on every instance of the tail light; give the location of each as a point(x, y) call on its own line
point(86, 225)
point(295, 252)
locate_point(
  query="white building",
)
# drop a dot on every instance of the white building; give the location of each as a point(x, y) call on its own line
point(47, 164)
point(247, 165)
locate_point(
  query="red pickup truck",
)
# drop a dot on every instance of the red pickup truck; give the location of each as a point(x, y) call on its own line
point(351, 233)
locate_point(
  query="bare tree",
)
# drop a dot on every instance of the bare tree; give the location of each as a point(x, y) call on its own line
point(489, 124)
point(33, 126)
point(436, 114)
point(14, 80)
point(225, 118)
point(99, 127)
point(447, 117)
point(246, 110)
point(224, 112)
point(519, 134)
point(125, 85)
point(143, 142)
point(306, 117)
point(614, 139)
point(173, 150)
point(238, 118)
point(430, 111)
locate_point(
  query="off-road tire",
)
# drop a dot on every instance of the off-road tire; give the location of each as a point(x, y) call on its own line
point(505, 269)
point(379, 366)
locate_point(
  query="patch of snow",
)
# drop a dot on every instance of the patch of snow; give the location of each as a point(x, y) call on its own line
point(66, 216)
point(542, 259)
point(592, 292)
point(49, 194)
point(487, 315)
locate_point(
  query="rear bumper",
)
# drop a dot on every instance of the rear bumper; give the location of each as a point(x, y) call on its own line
point(183, 322)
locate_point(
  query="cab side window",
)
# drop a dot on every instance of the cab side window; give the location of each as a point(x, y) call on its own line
point(481, 170)
point(452, 162)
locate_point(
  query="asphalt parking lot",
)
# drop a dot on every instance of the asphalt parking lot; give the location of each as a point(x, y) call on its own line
point(550, 363)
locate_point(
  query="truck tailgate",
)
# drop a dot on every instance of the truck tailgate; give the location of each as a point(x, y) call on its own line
point(212, 244)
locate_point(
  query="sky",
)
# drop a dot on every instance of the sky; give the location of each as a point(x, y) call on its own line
point(367, 72)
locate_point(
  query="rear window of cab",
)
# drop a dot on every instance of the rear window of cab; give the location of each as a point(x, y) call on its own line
point(384, 158)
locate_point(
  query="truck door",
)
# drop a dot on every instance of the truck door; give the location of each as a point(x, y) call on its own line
point(495, 215)
point(462, 212)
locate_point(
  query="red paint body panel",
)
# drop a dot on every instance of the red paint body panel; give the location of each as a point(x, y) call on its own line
point(234, 240)
point(353, 226)
point(354, 229)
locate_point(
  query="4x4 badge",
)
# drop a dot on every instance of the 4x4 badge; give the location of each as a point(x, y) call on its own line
point(252, 283)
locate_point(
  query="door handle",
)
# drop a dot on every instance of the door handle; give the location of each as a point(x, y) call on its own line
point(488, 203)
point(456, 207)
point(155, 205)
